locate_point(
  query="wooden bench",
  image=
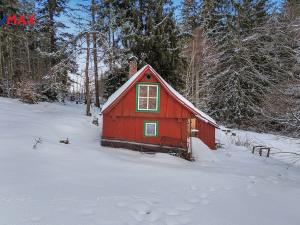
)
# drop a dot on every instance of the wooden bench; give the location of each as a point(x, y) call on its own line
point(260, 149)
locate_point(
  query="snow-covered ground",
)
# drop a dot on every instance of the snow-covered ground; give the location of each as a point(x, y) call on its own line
point(282, 148)
point(85, 184)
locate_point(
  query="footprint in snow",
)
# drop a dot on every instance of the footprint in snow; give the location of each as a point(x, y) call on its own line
point(203, 196)
point(151, 202)
point(172, 212)
point(272, 179)
point(252, 177)
point(184, 220)
point(212, 189)
point(254, 194)
point(193, 200)
point(194, 188)
point(205, 202)
point(36, 219)
point(227, 188)
point(185, 207)
point(137, 217)
point(121, 204)
point(249, 186)
point(140, 207)
point(178, 221)
point(62, 209)
point(153, 216)
point(143, 215)
point(252, 181)
point(87, 212)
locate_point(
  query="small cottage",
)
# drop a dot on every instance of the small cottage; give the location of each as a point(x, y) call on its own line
point(147, 114)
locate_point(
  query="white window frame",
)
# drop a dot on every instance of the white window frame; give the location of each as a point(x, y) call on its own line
point(155, 123)
point(148, 97)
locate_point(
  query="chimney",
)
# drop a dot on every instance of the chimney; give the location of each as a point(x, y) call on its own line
point(132, 66)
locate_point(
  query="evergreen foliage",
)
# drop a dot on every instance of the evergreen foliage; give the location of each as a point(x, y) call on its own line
point(35, 54)
point(146, 29)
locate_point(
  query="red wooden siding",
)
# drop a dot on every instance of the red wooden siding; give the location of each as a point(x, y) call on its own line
point(132, 129)
point(206, 132)
point(122, 122)
point(169, 107)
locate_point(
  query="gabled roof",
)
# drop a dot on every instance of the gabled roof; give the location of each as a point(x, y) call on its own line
point(131, 82)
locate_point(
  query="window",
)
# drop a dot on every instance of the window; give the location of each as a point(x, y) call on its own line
point(147, 97)
point(151, 128)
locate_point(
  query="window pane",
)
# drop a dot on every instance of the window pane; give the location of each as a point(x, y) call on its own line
point(142, 103)
point(152, 103)
point(143, 91)
point(152, 91)
point(151, 129)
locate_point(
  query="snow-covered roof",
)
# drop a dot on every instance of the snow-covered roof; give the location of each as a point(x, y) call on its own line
point(201, 115)
point(118, 92)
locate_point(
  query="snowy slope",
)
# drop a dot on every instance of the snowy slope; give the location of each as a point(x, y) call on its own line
point(84, 183)
point(281, 147)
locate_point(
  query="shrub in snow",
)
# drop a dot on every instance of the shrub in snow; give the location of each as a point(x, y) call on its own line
point(26, 91)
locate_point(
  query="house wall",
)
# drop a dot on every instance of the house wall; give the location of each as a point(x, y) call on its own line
point(123, 122)
point(206, 132)
point(132, 129)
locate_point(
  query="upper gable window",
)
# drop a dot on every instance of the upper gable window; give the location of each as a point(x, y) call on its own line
point(147, 96)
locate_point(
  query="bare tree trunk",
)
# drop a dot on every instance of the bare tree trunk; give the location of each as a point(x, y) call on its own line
point(52, 31)
point(11, 69)
point(28, 58)
point(97, 103)
point(87, 80)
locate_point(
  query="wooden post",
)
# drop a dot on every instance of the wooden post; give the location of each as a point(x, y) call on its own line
point(87, 80)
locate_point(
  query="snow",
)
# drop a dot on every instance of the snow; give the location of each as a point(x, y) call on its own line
point(84, 183)
point(182, 99)
point(124, 87)
point(201, 152)
point(280, 145)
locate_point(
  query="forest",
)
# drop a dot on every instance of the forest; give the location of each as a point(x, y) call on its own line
point(238, 60)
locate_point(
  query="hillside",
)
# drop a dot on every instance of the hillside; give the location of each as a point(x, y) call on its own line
point(84, 183)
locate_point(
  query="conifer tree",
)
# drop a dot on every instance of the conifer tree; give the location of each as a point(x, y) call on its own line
point(147, 29)
point(190, 13)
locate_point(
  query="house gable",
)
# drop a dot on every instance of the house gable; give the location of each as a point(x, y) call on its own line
point(168, 106)
point(122, 101)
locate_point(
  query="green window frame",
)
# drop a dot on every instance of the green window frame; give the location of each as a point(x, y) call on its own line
point(146, 128)
point(147, 98)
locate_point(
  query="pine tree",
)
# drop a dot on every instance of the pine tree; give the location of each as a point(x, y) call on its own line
point(146, 29)
point(281, 107)
point(55, 82)
point(214, 17)
point(237, 80)
point(190, 13)
point(7, 43)
point(151, 34)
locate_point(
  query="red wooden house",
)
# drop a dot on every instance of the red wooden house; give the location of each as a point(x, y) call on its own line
point(147, 114)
